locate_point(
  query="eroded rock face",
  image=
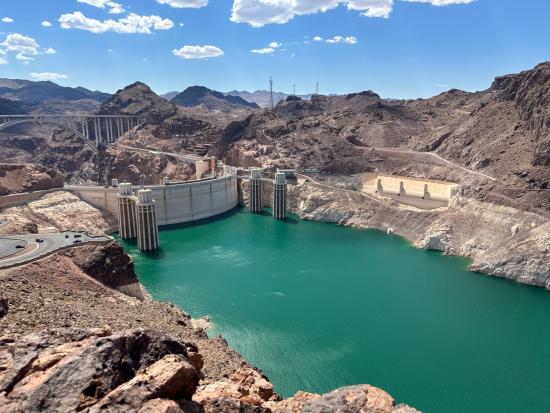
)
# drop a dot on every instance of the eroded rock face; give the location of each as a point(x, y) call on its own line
point(23, 178)
point(109, 264)
point(72, 370)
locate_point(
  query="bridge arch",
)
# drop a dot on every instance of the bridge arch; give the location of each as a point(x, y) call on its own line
point(77, 133)
point(91, 129)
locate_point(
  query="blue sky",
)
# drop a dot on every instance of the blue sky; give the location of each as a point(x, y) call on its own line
point(398, 48)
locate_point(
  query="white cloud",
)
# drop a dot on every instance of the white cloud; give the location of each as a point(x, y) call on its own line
point(184, 4)
point(25, 47)
point(441, 2)
point(318, 39)
point(258, 13)
point(48, 76)
point(114, 8)
point(133, 23)
point(7, 20)
point(3, 61)
point(110, 50)
point(267, 50)
point(342, 39)
point(50, 50)
point(198, 52)
point(46, 23)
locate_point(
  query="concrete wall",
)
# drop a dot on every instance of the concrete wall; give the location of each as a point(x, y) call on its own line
point(24, 197)
point(177, 203)
point(414, 187)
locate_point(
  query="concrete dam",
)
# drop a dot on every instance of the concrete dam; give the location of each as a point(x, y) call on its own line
point(141, 210)
point(175, 203)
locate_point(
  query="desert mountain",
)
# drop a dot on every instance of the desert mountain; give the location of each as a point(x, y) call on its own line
point(211, 99)
point(170, 95)
point(41, 92)
point(501, 132)
point(262, 97)
point(138, 99)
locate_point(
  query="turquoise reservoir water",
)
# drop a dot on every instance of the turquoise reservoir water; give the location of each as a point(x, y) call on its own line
point(317, 306)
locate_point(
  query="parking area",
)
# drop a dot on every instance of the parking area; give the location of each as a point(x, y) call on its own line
point(21, 249)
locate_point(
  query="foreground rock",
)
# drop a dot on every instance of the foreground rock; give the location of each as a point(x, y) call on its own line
point(138, 370)
point(72, 370)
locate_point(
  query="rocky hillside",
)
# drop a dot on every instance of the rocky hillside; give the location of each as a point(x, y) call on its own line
point(138, 99)
point(501, 132)
point(210, 99)
point(17, 178)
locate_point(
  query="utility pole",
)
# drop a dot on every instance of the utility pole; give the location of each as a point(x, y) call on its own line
point(316, 88)
point(294, 89)
point(271, 91)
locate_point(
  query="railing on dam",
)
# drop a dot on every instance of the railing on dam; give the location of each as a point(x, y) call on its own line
point(174, 203)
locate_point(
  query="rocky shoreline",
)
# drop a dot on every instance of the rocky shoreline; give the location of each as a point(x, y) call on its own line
point(500, 241)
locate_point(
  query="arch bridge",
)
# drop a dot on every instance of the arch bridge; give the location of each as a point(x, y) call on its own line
point(93, 129)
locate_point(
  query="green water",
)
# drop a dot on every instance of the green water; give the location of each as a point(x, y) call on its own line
point(317, 306)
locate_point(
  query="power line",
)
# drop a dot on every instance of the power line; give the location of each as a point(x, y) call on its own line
point(271, 91)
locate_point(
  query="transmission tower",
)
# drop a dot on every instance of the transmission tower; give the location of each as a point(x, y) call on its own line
point(271, 91)
point(294, 89)
point(316, 88)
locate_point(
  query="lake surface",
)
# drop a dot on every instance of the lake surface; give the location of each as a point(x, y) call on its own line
point(317, 306)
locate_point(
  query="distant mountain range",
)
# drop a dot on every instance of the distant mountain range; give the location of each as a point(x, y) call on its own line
point(40, 92)
point(262, 97)
point(211, 99)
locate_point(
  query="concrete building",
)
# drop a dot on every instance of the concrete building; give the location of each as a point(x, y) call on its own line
point(126, 211)
point(280, 196)
point(147, 228)
point(255, 188)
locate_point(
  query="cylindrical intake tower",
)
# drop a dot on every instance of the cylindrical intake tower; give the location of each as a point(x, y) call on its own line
point(126, 211)
point(279, 196)
point(147, 229)
point(255, 200)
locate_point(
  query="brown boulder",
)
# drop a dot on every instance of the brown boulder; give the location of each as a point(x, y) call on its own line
point(69, 369)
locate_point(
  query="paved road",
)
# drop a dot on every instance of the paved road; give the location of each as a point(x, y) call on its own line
point(11, 256)
point(180, 156)
point(426, 157)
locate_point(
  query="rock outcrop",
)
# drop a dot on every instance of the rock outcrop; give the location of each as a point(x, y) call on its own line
point(22, 178)
point(108, 264)
point(139, 370)
point(93, 370)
